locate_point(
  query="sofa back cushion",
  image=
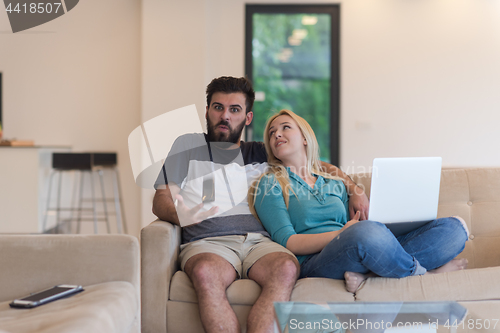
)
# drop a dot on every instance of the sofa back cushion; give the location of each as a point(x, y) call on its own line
point(474, 195)
point(31, 263)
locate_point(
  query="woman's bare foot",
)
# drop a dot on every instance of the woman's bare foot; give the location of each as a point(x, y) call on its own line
point(454, 265)
point(353, 280)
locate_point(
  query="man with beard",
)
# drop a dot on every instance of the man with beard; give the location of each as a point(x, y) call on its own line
point(208, 175)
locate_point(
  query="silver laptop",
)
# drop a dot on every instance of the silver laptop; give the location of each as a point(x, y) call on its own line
point(404, 192)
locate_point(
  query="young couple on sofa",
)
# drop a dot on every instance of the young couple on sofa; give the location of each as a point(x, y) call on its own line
point(316, 227)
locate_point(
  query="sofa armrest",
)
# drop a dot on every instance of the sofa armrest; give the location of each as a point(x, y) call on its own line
point(160, 243)
point(35, 262)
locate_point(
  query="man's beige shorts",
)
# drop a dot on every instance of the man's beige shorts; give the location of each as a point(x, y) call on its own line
point(240, 251)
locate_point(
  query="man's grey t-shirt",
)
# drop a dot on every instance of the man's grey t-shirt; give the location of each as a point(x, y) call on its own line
point(192, 160)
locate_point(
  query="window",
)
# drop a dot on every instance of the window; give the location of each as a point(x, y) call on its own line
point(292, 58)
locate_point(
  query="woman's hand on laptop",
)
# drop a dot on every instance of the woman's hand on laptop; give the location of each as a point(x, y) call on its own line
point(358, 203)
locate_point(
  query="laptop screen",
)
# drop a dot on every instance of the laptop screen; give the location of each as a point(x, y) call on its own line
point(405, 189)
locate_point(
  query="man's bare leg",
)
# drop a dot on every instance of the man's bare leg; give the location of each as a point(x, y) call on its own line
point(211, 276)
point(276, 273)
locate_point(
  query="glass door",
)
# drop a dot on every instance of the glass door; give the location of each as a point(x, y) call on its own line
point(292, 58)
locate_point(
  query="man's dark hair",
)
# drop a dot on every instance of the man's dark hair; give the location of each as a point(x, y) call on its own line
point(228, 85)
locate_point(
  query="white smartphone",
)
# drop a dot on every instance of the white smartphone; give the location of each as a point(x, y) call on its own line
point(46, 296)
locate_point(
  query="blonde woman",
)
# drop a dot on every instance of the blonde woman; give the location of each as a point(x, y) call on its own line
point(310, 216)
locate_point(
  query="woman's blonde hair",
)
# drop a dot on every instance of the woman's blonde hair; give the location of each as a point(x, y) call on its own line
point(277, 168)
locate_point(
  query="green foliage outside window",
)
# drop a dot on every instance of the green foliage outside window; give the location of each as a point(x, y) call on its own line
point(294, 77)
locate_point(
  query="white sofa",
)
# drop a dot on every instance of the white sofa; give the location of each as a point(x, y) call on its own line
point(169, 302)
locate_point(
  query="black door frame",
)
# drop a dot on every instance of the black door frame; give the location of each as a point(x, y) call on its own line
point(334, 11)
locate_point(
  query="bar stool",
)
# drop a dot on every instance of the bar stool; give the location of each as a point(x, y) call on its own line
point(86, 164)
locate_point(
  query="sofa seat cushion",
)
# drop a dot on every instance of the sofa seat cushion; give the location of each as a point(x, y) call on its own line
point(240, 292)
point(105, 307)
point(246, 292)
point(476, 284)
point(321, 290)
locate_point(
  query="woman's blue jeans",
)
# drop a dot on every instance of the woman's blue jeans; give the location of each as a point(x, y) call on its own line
point(369, 246)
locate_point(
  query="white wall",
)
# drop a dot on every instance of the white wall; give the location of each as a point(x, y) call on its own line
point(76, 81)
point(173, 63)
point(423, 76)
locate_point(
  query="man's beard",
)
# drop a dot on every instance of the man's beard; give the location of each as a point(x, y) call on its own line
point(232, 136)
